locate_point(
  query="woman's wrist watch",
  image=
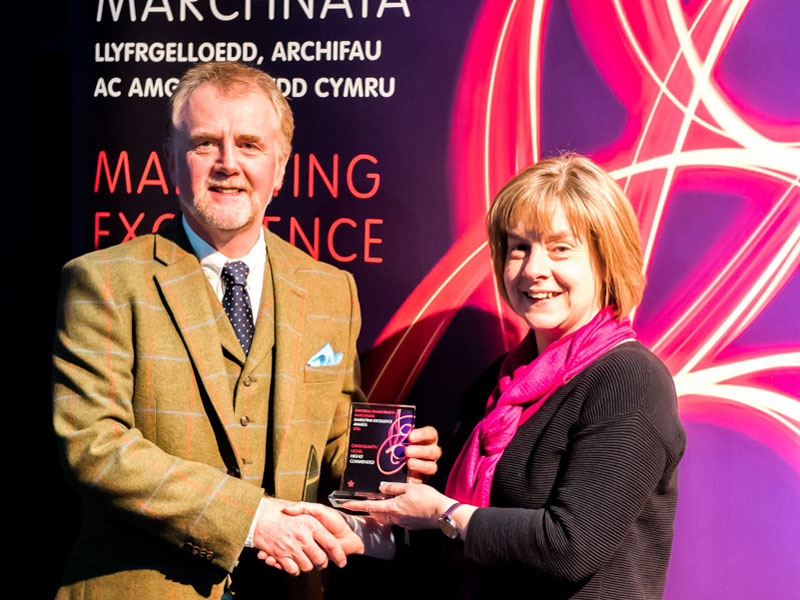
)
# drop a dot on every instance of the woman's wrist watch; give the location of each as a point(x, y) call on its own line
point(446, 523)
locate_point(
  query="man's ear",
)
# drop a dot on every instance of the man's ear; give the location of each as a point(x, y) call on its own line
point(171, 154)
point(281, 171)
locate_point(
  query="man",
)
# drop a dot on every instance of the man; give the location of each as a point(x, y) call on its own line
point(196, 365)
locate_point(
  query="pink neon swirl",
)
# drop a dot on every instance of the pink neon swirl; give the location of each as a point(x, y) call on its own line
point(394, 444)
point(683, 132)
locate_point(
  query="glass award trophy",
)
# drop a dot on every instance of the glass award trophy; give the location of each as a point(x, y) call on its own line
point(376, 450)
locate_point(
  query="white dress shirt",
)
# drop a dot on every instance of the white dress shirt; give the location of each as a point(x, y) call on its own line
point(212, 261)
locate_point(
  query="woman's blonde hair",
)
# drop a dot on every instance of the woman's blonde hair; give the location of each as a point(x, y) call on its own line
point(597, 211)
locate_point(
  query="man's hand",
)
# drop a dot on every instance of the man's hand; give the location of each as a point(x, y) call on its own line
point(368, 536)
point(422, 451)
point(333, 520)
point(302, 542)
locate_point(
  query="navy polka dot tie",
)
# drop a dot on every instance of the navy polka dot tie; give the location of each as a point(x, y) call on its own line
point(237, 303)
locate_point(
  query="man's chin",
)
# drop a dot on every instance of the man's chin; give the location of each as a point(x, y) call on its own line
point(230, 226)
point(223, 220)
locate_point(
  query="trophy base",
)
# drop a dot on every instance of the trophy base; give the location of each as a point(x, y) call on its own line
point(339, 497)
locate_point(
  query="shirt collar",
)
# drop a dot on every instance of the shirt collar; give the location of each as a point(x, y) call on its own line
point(213, 260)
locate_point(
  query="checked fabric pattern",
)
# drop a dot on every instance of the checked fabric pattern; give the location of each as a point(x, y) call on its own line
point(189, 431)
point(237, 302)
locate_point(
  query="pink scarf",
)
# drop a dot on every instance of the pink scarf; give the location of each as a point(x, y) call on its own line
point(526, 381)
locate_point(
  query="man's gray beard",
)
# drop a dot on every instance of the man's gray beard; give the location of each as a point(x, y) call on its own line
point(207, 213)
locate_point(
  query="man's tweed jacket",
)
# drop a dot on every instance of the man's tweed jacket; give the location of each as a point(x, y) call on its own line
point(164, 423)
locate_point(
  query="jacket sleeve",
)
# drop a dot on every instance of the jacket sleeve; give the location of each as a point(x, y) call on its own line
point(188, 504)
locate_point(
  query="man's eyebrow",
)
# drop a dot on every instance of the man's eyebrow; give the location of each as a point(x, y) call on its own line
point(202, 135)
point(249, 138)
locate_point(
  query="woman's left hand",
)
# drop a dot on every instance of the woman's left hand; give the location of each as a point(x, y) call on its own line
point(422, 452)
point(415, 506)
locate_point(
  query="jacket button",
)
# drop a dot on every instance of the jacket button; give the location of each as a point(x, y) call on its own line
point(247, 381)
point(244, 420)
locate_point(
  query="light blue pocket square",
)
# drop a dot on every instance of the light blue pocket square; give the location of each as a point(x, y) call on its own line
point(326, 357)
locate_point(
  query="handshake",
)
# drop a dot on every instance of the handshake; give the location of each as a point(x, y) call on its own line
point(302, 536)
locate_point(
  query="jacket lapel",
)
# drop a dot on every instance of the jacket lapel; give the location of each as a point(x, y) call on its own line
point(264, 338)
point(185, 290)
point(289, 311)
point(227, 336)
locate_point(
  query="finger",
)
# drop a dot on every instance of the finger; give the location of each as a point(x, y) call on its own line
point(430, 452)
point(327, 516)
point(391, 487)
point(270, 560)
point(422, 467)
point(309, 556)
point(330, 546)
point(316, 554)
point(332, 520)
point(290, 566)
point(423, 435)
point(368, 506)
point(298, 508)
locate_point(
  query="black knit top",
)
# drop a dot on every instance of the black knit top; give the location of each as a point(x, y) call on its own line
point(583, 499)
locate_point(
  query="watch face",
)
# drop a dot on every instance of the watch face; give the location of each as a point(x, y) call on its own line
point(448, 527)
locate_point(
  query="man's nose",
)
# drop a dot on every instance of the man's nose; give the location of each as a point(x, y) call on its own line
point(227, 160)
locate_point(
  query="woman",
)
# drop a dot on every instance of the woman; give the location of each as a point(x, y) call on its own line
point(566, 487)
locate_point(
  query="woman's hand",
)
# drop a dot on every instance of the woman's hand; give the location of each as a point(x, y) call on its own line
point(422, 452)
point(416, 506)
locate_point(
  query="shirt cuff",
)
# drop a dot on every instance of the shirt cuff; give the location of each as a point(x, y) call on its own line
point(248, 543)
